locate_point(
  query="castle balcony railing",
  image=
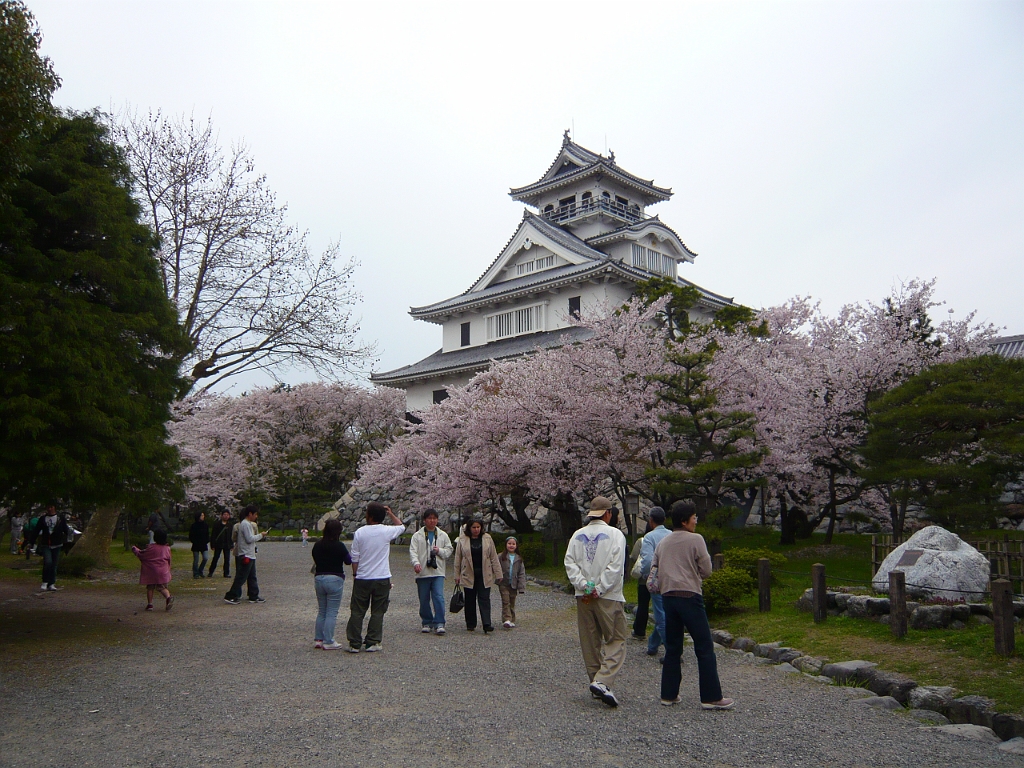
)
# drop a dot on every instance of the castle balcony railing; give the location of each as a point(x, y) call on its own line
point(590, 206)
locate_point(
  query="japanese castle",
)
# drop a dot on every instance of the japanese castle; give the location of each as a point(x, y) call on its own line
point(586, 243)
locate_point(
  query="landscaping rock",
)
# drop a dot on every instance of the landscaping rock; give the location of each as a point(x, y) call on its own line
point(841, 600)
point(961, 613)
point(933, 697)
point(931, 617)
point(927, 717)
point(786, 669)
point(749, 656)
point(945, 566)
point(1008, 726)
point(857, 606)
point(819, 679)
point(845, 670)
point(1013, 746)
point(809, 664)
point(983, 619)
point(976, 710)
point(880, 702)
point(956, 624)
point(722, 637)
point(980, 609)
point(877, 606)
point(887, 683)
point(965, 731)
point(744, 643)
point(763, 649)
point(806, 601)
point(784, 655)
point(852, 692)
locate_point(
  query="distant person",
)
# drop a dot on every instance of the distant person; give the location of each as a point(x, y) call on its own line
point(683, 563)
point(330, 556)
point(513, 581)
point(154, 524)
point(371, 577)
point(651, 541)
point(594, 563)
point(248, 534)
point(17, 527)
point(429, 551)
point(199, 535)
point(30, 535)
point(643, 597)
point(49, 535)
point(221, 542)
point(305, 537)
point(477, 569)
point(155, 570)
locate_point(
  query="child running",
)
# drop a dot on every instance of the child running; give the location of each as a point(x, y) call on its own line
point(513, 581)
point(156, 569)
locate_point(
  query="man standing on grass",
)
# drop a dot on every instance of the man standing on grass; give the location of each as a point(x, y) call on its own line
point(594, 562)
point(429, 551)
point(245, 562)
point(371, 576)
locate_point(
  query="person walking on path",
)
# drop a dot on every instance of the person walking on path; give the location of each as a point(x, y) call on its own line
point(429, 551)
point(17, 526)
point(594, 563)
point(155, 569)
point(371, 574)
point(651, 541)
point(245, 562)
point(513, 581)
point(199, 535)
point(330, 556)
point(154, 524)
point(221, 542)
point(476, 563)
point(50, 534)
point(643, 597)
point(683, 562)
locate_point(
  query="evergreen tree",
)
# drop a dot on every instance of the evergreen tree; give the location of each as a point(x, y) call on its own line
point(91, 347)
point(950, 439)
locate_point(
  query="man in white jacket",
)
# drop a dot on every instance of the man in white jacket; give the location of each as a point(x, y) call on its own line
point(429, 551)
point(594, 562)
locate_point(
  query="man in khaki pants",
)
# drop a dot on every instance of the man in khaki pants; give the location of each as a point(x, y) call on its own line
point(594, 562)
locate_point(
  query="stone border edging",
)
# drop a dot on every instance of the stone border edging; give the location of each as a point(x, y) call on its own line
point(973, 710)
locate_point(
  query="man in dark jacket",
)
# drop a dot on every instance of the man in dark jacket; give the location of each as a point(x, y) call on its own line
point(49, 535)
point(220, 541)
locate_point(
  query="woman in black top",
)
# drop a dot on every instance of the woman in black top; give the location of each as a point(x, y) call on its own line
point(199, 535)
point(331, 556)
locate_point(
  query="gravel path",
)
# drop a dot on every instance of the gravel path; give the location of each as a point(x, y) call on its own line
point(211, 684)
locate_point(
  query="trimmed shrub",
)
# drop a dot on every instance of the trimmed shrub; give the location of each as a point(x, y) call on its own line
point(746, 558)
point(725, 586)
point(532, 552)
point(76, 565)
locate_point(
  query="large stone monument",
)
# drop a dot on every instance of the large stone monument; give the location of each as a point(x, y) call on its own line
point(937, 563)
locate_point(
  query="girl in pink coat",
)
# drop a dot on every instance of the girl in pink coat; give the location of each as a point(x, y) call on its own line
point(156, 568)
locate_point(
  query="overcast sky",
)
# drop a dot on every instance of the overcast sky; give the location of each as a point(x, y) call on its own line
point(823, 149)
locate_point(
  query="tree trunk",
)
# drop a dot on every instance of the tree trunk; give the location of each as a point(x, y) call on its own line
point(95, 542)
point(516, 518)
point(831, 506)
point(786, 522)
point(569, 520)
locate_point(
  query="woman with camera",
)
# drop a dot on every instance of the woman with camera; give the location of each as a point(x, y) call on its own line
point(477, 568)
point(429, 551)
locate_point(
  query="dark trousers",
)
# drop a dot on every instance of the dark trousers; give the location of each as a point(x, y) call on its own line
point(643, 609)
point(478, 595)
point(50, 557)
point(688, 613)
point(245, 573)
point(372, 594)
point(217, 551)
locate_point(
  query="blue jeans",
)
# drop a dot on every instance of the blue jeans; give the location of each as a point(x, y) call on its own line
point(328, 599)
point(657, 637)
point(431, 589)
point(688, 613)
point(197, 567)
point(50, 557)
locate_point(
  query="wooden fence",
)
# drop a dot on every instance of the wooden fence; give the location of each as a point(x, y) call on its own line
point(1006, 556)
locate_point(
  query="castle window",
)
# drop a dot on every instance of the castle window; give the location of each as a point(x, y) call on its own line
point(574, 306)
point(524, 268)
point(588, 200)
point(653, 261)
point(515, 322)
point(639, 256)
point(548, 209)
point(464, 328)
point(440, 395)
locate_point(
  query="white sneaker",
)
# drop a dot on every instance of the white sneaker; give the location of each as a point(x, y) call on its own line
point(507, 624)
point(602, 692)
point(512, 624)
point(44, 587)
point(52, 588)
point(425, 629)
point(439, 631)
point(331, 646)
point(318, 644)
point(352, 650)
point(374, 648)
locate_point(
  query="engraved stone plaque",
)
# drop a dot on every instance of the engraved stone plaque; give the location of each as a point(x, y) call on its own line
point(910, 557)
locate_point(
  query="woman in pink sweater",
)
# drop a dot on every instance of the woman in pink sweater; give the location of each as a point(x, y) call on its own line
point(156, 569)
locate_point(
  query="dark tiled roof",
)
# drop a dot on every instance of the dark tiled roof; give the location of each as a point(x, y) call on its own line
point(1008, 346)
point(478, 358)
point(636, 227)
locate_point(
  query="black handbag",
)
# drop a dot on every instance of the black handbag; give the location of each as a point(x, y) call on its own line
point(458, 601)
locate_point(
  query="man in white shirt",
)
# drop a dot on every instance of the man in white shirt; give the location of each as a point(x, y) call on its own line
point(594, 563)
point(248, 533)
point(371, 574)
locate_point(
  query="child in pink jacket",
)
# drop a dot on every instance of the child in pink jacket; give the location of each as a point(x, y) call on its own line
point(156, 568)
